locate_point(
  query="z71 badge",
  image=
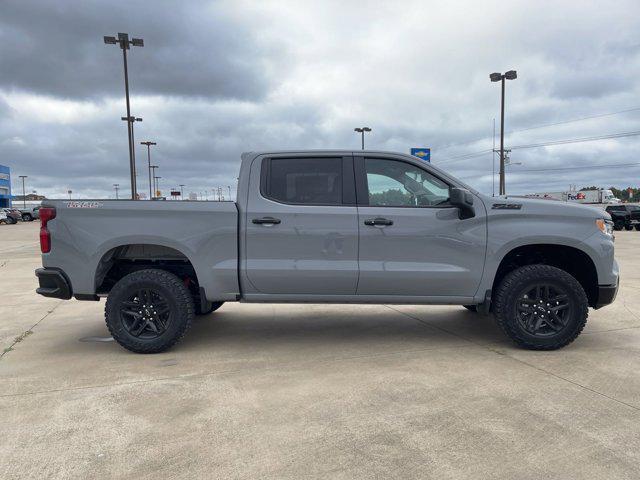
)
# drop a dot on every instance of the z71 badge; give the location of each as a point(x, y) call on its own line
point(77, 204)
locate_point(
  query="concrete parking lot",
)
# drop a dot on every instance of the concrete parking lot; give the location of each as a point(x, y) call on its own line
point(313, 391)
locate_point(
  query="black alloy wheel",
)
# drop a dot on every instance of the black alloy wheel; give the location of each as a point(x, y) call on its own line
point(543, 309)
point(145, 314)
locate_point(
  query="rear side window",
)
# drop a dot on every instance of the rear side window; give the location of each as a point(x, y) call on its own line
point(307, 181)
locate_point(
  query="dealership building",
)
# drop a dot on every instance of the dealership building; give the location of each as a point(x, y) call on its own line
point(5, 186)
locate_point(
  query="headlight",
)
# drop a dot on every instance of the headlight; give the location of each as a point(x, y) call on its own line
point(605, 226)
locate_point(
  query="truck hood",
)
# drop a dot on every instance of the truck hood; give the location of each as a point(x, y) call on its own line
point(544, 207)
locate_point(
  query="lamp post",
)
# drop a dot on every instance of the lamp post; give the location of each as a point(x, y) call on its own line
point(153, 176)
point(148, 144)
point(361, 130)
point(130, 121)
point(229, 187)
point(124, 43)
point(182, 191)
point(24, 195)
point(499, 77)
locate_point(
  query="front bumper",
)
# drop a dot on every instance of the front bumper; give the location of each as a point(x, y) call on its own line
point(606, 295)
point(53, 283)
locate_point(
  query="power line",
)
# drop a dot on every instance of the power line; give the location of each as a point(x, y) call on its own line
point(545, 144)
point(599, 115)
point(581, 167)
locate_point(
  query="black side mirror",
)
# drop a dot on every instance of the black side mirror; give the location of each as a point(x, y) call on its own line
point(461, 198)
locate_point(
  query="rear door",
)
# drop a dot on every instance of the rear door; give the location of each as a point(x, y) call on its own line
point(412, 242)
point(302, 226)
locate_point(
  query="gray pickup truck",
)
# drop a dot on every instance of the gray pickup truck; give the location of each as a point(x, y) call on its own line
point(332, 227)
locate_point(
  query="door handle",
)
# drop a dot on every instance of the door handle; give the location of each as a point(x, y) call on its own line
point(378, 222)
point(266, 221)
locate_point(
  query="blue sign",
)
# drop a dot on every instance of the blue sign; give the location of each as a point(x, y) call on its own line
point(5, 186)
point(422, 153)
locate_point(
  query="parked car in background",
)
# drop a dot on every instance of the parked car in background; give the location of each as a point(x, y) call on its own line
point(625, 216)
point(3, 217)
point(12, 215)
point(30, 214)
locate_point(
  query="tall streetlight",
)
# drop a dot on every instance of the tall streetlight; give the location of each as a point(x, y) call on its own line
point(131, 120)
point(125, 44)
point(24, 195)
point(153, 175)
point(116, 186)
point(499, 77)
point(148, 144)
point(361, 130)
point(181, 191)
point(229, 187)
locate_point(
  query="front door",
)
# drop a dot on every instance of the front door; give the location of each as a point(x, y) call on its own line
point(412, 242)
point(302, 226)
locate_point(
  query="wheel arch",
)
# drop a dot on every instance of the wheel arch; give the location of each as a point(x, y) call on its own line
point(571, 259)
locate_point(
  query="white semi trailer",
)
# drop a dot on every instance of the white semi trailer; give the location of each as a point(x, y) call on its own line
point(600, 196)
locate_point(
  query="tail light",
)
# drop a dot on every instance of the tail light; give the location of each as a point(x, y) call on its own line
point(46, 214)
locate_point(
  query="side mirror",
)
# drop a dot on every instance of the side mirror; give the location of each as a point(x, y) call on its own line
point(461, 198)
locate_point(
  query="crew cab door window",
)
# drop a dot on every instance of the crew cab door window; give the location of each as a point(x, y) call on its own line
point(304, 181)
point(399, 184)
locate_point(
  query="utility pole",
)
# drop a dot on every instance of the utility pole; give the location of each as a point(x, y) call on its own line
point(24, 195)
point(148, 144)
point(361, 130)
point(499, 77)
point(124, 43)
point(229, 187)
point(116, 186)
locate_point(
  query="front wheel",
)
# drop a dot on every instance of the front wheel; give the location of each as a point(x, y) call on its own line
point(618, 225)
point(149, 311)
point(541, 307)
point(628, 227)
point(27, 217)
point(638, 227)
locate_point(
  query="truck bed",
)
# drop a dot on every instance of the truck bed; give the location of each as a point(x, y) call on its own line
point(87, 234)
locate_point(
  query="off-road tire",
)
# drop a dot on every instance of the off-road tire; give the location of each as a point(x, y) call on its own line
point(172, 291)
point(471, 308)
point(516, 282)
point(213, 306)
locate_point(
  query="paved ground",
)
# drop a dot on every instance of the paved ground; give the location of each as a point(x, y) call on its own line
point(286, 391)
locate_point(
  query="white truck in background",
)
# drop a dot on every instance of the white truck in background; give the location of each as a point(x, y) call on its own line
point(592, 197)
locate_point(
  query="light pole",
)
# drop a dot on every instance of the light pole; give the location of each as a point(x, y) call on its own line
point(499, 77)
point(124, 43)
point(153, 175)
point(148, 144)
point(361, 130)
point(182, 191)
point(131, 120)
point(116, 186)
point(24, 195)
point(229, 187)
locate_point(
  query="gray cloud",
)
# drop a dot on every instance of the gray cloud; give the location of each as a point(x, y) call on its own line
point(218, 78)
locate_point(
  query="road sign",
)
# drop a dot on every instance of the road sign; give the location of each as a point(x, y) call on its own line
point(175, 193)
point(422, 153)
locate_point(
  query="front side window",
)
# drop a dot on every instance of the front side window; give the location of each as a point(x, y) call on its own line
point(399, 184)
point(311, 181)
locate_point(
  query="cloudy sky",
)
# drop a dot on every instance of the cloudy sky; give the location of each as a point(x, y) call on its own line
point(215, 79)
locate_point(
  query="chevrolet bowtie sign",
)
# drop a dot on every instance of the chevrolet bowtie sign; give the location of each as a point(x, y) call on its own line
point(422, 153)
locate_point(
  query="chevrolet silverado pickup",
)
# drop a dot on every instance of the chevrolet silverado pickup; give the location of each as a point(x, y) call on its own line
point(332, 227)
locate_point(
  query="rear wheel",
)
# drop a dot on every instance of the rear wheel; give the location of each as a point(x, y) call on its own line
point(26, 217)
point(628, 227)
point(618, 225)
point(541, 307)
point(638, 227)
point(149, 311)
